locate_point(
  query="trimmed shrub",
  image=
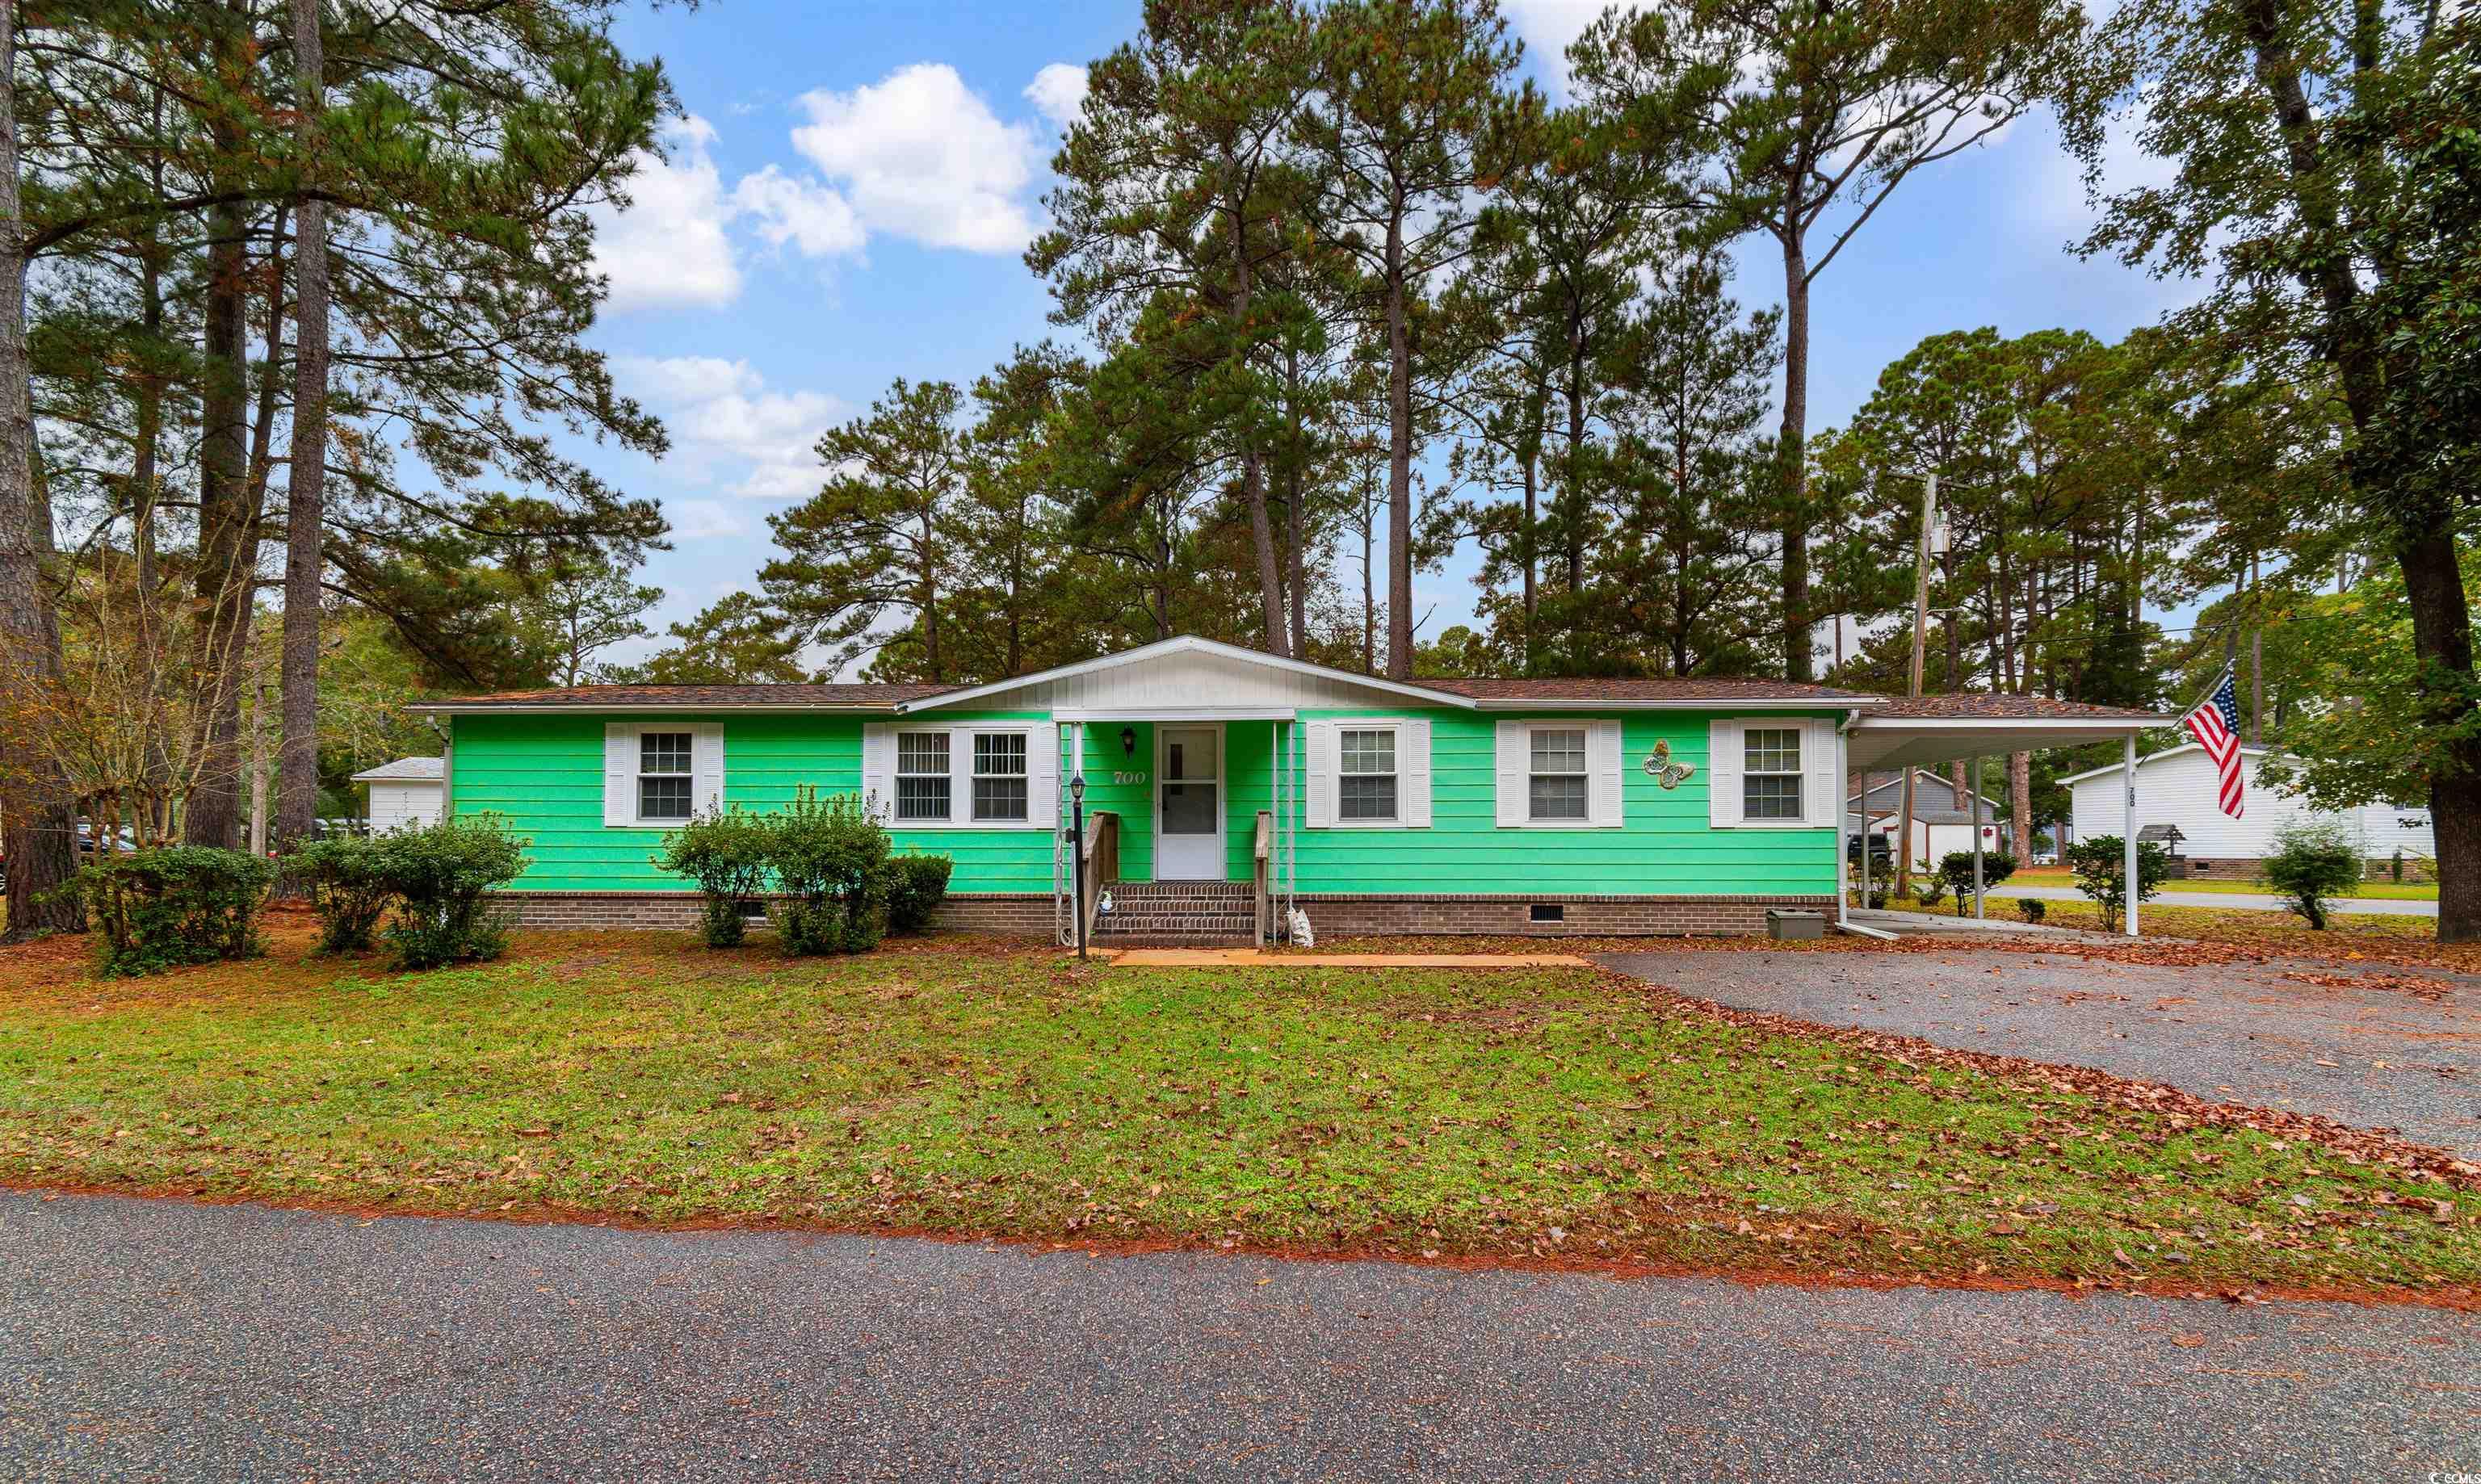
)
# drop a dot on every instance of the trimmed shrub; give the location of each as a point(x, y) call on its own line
point(2311, 864)
point(916, 885)
point(830, 860)
point(2101, 873)
point(442, 875)
point(350, 889)
point(2034, 908)
point(153, 910)
point(1955, 869)
point(728, 855)
point(1928, 890)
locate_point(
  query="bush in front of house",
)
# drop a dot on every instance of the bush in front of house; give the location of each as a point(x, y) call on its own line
point(350, 889)
point(729, 855)
point(2312, 863)
point(2101, 873)
point(830, 860)
point(157, 909)
point(916, 885)
point(1955, 870)
point(441, 877)
point(2034, 908)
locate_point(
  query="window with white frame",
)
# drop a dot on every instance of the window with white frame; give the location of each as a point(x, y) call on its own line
point(665, 787)
point(921, 778)
point(1556, 786)
point(1000, 777)
point(1366, 783)
point(1771, 773)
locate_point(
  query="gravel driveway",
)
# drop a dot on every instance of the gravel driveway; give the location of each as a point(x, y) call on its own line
point(2365, 1054)
point(162, 1341)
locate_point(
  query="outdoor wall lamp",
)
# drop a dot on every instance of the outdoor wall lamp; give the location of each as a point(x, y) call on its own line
point(1129, 742)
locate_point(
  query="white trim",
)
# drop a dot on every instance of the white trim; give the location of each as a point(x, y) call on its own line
point(1222, 867)
point(1806, 772)
point(2167, 752)
point(960, 775)
point(1412, 774)
point(1710, 703)
point(1186, 643)
point(638, 708)
point(1174, 714)
point(2111, 724)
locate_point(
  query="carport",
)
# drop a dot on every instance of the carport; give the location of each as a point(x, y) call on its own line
point(1926, 730)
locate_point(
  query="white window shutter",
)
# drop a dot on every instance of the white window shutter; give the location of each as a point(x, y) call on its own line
point(878, 769)
point(1609, 782)
point(619, 774)
point(960, 777)
point(710, 767)
point(1822, 795)
point(1042, 776)
point(1413, 772)
point(1724, 762)
point(1515, 761)
point(1325, 761)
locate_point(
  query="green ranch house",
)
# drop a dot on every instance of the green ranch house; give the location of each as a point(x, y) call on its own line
point(1226, 789)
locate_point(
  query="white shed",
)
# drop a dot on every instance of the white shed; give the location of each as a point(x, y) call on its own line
point(405, 792)
point(2179, 787)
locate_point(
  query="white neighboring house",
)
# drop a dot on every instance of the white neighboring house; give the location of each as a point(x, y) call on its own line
point(405, 792)
point(2179, 787)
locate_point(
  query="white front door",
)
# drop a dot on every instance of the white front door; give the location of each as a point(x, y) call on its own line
point(1188, 803)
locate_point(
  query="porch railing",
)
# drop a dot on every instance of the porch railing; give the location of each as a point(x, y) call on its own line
point(1260, 856)
point(1100, 850)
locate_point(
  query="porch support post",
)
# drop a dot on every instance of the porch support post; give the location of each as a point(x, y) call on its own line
point(1977, 913)
point(1843, 846)
point(2128, 833)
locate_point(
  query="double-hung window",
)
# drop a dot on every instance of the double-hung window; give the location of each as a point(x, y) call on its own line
point(922, 776)
point(1771, 773)
point(665, 787)
point(1000, 777)
point(1366, 783)
point(1556, 783)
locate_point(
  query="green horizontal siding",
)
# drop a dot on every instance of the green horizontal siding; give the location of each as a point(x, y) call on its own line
point(545, 773)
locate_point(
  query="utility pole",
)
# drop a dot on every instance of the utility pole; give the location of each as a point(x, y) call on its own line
point(1920, 645)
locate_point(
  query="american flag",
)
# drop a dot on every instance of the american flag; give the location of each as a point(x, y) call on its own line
point(2216, 726)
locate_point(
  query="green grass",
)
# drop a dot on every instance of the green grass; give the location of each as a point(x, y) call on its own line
point(1491, 1112)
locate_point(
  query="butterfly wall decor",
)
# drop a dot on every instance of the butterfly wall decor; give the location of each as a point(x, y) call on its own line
point(1660, 767)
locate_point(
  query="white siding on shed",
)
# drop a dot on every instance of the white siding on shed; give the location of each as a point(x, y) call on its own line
point(404, 803)
point(2179, 787)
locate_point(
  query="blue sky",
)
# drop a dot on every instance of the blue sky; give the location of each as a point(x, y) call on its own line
point(850, 198)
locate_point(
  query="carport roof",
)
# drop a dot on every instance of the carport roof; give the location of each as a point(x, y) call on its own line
point(1919, 731)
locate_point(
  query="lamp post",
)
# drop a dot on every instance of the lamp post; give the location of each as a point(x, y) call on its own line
point(1077, 851)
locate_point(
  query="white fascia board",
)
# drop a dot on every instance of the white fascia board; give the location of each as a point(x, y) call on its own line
point(1174, 714)
point(641, 707)
point(2167, 752)
point(1184, 644)
point(1587, 703)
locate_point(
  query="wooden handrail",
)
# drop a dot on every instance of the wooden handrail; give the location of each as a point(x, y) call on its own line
point(1101, 851)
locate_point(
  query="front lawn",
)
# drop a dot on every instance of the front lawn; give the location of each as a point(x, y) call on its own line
point(2238, 886)
point(1426, 1112)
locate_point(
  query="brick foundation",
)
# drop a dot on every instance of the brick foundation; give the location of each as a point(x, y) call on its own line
point(1333, 915)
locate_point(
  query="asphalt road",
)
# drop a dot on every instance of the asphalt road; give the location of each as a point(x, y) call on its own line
point(2370, 1052)
point(2251, 902)
point(160, 1341)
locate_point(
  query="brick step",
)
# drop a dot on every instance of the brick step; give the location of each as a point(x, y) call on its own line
point(1179, 891)
point(1120, 922)
point(1175, 940)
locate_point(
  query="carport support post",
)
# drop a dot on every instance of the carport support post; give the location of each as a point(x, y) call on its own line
point(2127, 834)
point(1977, 838)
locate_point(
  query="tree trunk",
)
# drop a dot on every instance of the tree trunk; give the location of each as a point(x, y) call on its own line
point(297, 807)
point(1253, 474)
point(226, 578)
point(2442, 636)
point(1573, 519)
point(1295, 519)
point(1400, 461)
point(2020, 805)
point(1794, 454)
point(38, 815)
point(1529, 551)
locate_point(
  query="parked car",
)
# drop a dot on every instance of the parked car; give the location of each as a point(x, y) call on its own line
point(1882, 854)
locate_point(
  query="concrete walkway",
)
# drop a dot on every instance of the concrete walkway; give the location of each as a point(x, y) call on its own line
point(2244, 901)
point(160, 1341)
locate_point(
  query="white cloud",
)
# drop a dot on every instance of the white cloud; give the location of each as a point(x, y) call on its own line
point(810, 215)
point(921, 155)
point(668, 249)
point(1059, 91)
point(697, 520)
point(729, 430)
point(1547, 27)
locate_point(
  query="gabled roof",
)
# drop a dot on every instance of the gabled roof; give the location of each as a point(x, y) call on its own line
point(2167, 752)
point(1185, 643)
point(858, 696)
point(404, 771)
